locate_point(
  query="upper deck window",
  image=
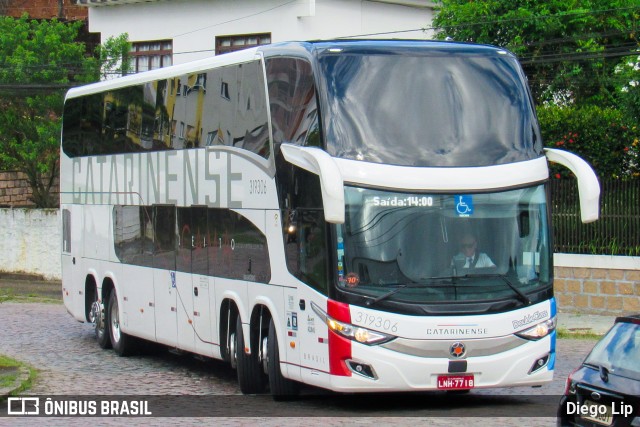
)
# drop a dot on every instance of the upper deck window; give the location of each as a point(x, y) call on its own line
point(225, 44)
point(419, 107)
point(151, 55)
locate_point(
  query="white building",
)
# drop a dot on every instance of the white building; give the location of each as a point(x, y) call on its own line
point(176, 31)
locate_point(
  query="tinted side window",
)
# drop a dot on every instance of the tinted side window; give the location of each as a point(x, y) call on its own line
point(200, 241)
point(292, 101)
point(133, 235)
point(238, 249)
point(222, 106)
point(193, 241)
point(164, 219)
point(305, 230)
point(251, 130)
point(82, 126)
point(184, 243)
point(128, 234)
point(197, 240)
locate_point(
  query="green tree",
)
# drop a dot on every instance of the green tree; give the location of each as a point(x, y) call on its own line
point(39, 61)
point(114, 56)
point(569, 48)
point(581, 59)
point(603, 136)
point(628, 73)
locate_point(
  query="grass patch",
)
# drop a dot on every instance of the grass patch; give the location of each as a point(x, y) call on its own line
point(29, 291)
point(28, 299)
point(7, 379)
point(10, 370)
point(7, 362)
point(6, 296)
point(578, 335)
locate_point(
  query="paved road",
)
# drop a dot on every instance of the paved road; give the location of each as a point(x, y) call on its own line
point(71, 363)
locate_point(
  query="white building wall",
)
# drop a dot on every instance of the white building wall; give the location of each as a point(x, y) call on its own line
point(30, 242)
point(192, 25)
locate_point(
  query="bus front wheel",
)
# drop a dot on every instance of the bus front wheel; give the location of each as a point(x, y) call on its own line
point(250, 376)
point(281, 388)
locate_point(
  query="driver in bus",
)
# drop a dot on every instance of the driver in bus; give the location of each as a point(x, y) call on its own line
point(469, 257)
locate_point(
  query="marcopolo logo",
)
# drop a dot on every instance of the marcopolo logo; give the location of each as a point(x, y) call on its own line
point(530, 318)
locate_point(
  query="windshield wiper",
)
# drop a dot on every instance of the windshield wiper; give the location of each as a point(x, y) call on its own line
point(383, 296)
point(521, 296)
point(393, 291)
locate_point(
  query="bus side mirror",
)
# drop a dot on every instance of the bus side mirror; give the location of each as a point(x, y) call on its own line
point(319, 162)
point(588, 186)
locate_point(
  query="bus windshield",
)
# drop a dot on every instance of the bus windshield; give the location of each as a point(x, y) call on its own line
point(444, 248)
point(427, 108)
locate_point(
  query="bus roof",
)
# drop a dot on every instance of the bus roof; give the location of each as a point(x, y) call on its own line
point(297, 48)
point(376, 45)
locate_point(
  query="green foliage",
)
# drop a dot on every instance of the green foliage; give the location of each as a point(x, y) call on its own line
point(603, 136)
point(628, 78)
point(569, 49)
point(114, 56)
point(39, 61)
point(39, 51)
point(581, 59)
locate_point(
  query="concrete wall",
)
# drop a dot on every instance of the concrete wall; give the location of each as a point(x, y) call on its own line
point(30, 242)
point(596, 284)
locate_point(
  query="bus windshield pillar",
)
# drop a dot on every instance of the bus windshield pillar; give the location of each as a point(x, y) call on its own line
point(322, 164)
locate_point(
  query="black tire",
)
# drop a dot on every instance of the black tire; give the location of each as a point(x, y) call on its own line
point(281, 388)
point(102, 329)
point(250, 376)
point(122, 343)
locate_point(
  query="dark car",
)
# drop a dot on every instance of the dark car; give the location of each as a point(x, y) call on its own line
point(605, 390)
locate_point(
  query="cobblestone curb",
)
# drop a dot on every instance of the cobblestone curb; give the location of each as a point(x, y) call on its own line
point(21, 379)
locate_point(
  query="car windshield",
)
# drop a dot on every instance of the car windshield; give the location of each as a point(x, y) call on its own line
point(618, 351)
point(427, 107)
point(436, 248)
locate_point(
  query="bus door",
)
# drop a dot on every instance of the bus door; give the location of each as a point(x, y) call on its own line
point(132, 237)
point(165, 278)
point(292, 333)
point(184, 280)
point(292, 302)
point(312, 250)
point(72, 274)
point(201, 284)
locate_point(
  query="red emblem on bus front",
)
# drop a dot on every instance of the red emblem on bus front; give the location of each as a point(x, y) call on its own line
point(457, 350)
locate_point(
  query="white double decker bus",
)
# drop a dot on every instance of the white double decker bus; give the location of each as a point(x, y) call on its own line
point(304, 211)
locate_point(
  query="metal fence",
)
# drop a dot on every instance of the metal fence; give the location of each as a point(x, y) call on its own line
point(617, 232)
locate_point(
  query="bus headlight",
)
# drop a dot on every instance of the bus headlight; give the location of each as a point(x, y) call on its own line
point(352, 332)
point(540, 330)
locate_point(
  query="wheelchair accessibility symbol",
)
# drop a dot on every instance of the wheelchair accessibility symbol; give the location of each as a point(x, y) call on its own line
point(464, 205)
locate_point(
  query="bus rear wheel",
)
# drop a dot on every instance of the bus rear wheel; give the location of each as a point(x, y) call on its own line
point(281, 388)
point(101, 322)
point(250, 376)
point(122, 343)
